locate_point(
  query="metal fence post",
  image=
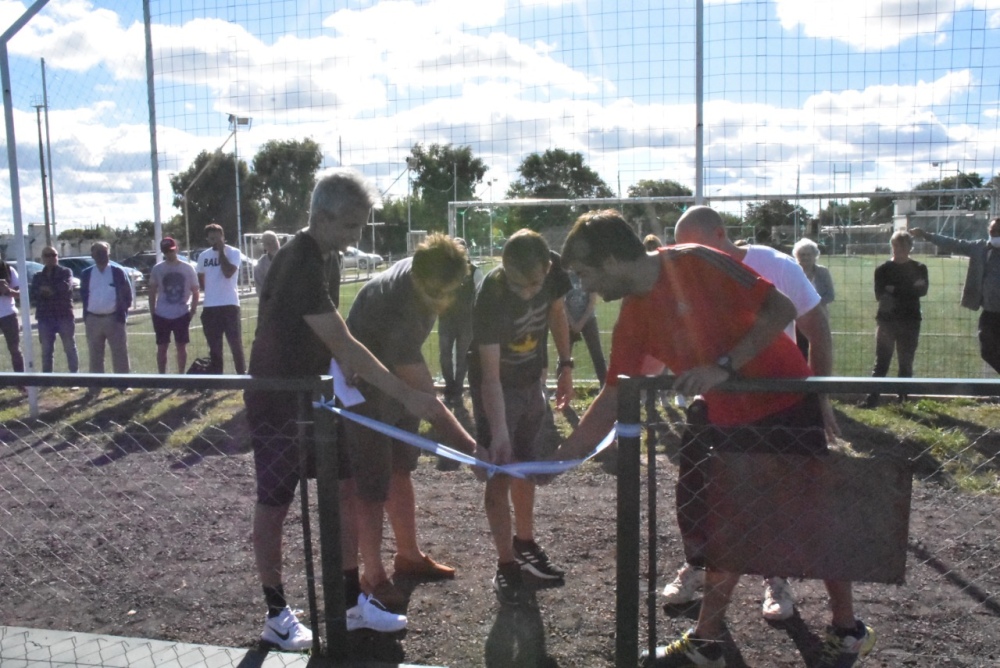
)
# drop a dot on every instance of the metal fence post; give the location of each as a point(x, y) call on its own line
point(328, 500)
point(627, 595)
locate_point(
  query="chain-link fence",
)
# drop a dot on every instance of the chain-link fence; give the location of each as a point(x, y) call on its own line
point(907, 513)
point(129, 514)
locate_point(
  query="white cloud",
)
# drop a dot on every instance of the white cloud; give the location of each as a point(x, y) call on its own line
point(871, 25)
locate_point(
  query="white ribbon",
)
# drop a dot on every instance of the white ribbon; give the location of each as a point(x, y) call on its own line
point(518, 470)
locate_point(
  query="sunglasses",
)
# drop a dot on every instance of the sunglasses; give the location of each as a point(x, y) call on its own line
point(50, 255)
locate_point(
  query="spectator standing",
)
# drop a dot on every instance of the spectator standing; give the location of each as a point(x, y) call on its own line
point(982, 284)
point(899, 285)
point(107, 298)
point(51, 292)
point(517, 304)
point(705, 336)
point(806, 253)
point(580, 311)
point(392, 316)
point(455, 335)
point(218, 276)
point(298, 330)
point(173, 301)
point(269, 240)
point(10, 290)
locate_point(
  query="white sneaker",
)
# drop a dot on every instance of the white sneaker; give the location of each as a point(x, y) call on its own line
point(779, 601)
point(286, 632)
point(369, 613)
point(685, 586)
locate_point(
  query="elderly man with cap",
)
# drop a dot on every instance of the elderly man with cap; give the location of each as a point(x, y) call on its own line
point(173, 301)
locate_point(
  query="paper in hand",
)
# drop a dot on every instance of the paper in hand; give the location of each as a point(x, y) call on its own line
point(346, 393)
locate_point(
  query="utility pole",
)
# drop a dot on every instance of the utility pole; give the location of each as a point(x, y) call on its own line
point(48, 150)
point(41, 164)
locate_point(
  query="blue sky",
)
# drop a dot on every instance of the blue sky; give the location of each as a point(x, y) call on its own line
point(806, 94)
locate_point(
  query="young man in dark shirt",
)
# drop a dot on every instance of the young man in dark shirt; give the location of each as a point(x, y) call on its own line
point(516, 306)
point(899, 285)
point(392, 315)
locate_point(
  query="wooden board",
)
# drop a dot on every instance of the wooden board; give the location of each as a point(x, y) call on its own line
point(833, 517)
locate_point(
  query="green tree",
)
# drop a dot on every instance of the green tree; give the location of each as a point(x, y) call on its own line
point(555, 174)
point(656, 217)
point(210, 183)
point(764, 216)
point(439, 170)
point(964, 201)
point(284, 177)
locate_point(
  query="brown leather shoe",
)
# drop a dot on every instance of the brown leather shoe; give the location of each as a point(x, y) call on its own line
point(421, 569)
point(387, 593)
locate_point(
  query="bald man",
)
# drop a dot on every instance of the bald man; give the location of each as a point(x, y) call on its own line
point(703, 225)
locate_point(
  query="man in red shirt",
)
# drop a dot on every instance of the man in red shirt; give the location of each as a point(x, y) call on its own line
point(707, 318)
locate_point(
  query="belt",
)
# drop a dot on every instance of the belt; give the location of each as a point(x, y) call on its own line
point(100, 315)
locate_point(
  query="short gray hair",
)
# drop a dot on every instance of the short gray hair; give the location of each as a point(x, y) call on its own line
point(805, 243)
point(339, 191)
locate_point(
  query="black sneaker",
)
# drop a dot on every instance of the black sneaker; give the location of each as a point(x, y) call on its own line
point(534, 560)
point(509, 586)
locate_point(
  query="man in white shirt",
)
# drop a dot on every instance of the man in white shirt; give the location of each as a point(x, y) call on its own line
point(218, 273)
point(107, 297)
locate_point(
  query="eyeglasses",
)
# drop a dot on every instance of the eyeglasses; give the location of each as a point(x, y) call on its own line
point(50, 255)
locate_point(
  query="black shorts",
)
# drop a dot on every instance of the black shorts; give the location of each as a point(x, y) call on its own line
point(273, 418)
point(180, 327)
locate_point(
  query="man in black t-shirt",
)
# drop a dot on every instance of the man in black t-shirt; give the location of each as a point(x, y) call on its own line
point(392, 315)
point(516, 306)
point(899, 285)
point(298, 330)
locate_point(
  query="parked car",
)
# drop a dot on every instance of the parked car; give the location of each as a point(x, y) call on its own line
point(145, 261)
point(35, 267)
point(358, 259)
point(78, 263)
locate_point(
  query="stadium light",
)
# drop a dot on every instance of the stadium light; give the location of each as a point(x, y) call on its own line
point(235, 123)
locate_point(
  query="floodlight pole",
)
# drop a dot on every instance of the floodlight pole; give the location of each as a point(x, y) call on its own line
point(234, 124)
point(41, 163)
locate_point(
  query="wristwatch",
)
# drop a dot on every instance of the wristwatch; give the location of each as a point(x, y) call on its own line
point(565, 363)
point(726, 364)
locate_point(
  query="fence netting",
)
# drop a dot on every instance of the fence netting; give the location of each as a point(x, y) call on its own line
point(141, 527)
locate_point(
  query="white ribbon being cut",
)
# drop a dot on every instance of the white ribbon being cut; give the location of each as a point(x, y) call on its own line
point(518, 470)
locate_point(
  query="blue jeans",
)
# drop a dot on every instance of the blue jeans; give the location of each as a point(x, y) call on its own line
point(66, 329)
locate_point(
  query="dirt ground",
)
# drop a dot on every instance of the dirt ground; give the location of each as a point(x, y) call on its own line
point(123, 536)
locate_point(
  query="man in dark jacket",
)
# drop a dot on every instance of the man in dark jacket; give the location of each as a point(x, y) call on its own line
point(52, 294)
point(982, 284)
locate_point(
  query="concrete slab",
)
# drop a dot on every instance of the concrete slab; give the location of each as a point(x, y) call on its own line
point(35, 648)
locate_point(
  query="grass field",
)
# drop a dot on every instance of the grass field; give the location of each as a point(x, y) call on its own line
point(948, 344)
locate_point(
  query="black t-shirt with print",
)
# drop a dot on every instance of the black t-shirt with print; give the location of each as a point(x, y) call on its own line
point(519, 327)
